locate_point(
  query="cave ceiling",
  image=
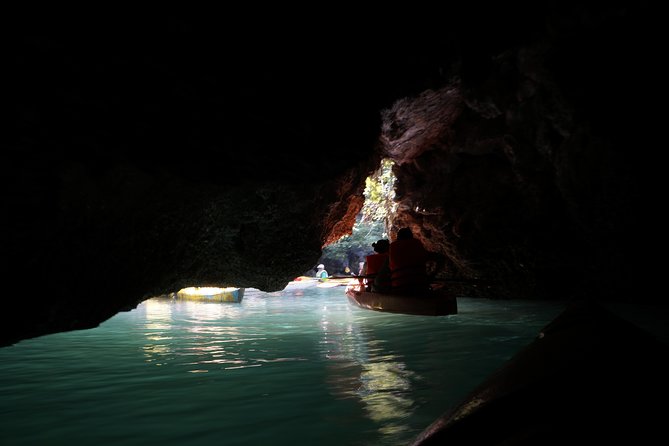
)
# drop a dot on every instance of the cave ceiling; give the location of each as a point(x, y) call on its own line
point(154, 155)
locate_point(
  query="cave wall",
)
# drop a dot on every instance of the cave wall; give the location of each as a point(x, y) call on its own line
point(145, 154)
point(523, 169)
point(156, 155)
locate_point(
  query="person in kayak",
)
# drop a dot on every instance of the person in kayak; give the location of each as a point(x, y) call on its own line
point(407, 260)
point(377, 267)
point(321, 274)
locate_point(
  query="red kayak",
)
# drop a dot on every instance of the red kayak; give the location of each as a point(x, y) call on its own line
point(435, 302)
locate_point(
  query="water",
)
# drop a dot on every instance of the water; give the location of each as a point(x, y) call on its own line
point(296, 367)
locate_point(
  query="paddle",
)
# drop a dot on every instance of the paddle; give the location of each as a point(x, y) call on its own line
point(351, 277)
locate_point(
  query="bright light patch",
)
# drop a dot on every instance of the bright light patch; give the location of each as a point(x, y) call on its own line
point(206, 290)
point(211, 294)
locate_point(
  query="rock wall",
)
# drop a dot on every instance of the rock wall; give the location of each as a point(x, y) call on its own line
point(523, 169)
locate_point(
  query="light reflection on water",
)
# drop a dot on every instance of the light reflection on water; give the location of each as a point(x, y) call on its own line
point(280, 368)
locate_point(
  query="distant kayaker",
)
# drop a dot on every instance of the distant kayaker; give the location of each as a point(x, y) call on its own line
point(321, 274)
point(361, 268)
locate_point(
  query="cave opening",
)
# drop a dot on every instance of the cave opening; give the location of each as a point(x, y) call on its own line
point(374, 221)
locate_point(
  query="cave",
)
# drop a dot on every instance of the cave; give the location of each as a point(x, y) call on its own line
point(143, 158)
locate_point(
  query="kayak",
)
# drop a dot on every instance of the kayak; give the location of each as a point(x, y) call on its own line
point(333, 282)
point(301, 282)
point(211, 294)
point(435, 302)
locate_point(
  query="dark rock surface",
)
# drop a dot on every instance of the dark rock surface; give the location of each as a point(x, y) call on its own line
point(142, 155)
point(588, 378)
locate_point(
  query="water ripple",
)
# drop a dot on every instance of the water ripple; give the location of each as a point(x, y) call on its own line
point(304, 366)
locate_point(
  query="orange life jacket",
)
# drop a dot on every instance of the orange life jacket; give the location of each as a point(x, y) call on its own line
point(375, 262)
point(407, 263)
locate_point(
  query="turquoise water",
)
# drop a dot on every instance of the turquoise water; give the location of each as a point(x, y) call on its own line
point(294, 367)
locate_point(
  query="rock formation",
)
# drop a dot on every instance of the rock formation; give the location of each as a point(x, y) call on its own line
point(163, 153)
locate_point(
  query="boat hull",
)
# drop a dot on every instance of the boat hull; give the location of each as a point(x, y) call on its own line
point(434, 303)
point(589, 377)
